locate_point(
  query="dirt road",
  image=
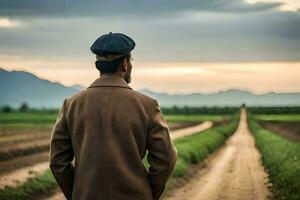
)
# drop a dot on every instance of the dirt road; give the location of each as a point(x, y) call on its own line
point(191, 130)
point(234, 172)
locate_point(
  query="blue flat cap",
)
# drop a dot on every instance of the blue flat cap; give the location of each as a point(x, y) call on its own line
point(113, 43)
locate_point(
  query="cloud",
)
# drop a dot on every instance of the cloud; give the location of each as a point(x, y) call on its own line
point(287, 5)
point(152, 8)
point(6, 22)
point(181, 31)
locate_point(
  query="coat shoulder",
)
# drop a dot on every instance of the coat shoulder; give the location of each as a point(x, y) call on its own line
point(75, 96)
point(143, 96)
point(133, 93)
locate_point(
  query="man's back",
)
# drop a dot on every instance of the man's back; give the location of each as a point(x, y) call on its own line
point(109, 127)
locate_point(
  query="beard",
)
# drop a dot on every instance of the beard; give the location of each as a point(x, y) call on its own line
point(128, 77)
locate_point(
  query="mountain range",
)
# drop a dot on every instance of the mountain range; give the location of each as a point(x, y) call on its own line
point(17, 87)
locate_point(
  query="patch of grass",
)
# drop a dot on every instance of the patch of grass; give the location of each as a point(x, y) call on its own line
point(26, 127)
point(27, 117)
point(281, 158)
point(195, 118)
point(195, 148)
point(31, 189)
point(279, 117)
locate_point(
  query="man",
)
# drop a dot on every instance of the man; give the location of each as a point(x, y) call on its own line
point(108, 128)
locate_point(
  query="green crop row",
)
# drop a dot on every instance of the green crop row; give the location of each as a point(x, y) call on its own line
point(196, 147)
point(34, 187)
point(27, 117)
point(195, 118)
point(281, 158)
point(20, 127)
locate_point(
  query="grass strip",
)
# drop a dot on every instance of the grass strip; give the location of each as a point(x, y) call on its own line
point(21, 127)
point(281, 158)
point(195, 148)
point(195, 118)
point(31, 189)
point(27, 117)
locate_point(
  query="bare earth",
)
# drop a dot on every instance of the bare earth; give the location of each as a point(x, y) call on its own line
point(191, 130)
point(23, 161)
point(21, 175)
point(234, 173)
point(288, 130)
point(180, 125)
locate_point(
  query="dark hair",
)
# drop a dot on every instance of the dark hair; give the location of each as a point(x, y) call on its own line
point(107, 67)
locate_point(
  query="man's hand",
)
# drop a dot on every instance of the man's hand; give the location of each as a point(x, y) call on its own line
point(61, 154)
point(162, 153)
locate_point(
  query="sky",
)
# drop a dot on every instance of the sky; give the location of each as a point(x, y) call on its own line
point(181, 46)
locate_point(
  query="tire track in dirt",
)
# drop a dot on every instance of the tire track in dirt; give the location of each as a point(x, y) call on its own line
point(234, 173)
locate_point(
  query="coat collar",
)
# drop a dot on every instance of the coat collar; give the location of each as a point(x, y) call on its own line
point(109, 81)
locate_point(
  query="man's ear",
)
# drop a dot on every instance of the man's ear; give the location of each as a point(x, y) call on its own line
point(125, 65)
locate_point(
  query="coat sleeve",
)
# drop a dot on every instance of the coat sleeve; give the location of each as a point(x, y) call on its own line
point(162, 154)
point(61, 154)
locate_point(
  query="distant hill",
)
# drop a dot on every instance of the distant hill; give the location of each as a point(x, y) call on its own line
point(231, 97)
point(17, 87)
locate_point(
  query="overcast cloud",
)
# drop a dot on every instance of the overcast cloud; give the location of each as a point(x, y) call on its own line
point(125, 7)
point(165, 31)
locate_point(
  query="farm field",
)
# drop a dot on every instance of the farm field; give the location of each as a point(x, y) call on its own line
point(255, 163)
point(24, 139)
point(279, 117)
point(285, 125)
point(216, 154)
point(233, 172)
point(281, 158)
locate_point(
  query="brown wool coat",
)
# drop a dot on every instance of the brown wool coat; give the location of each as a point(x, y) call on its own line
point(107, 128)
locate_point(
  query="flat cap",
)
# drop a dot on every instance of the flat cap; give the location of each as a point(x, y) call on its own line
point(113, 43)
